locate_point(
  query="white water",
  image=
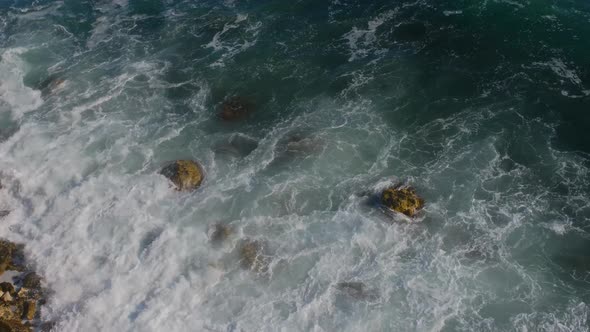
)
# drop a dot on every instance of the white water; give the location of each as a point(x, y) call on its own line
point(125, 252)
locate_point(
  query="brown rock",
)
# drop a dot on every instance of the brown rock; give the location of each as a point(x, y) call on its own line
point(402, 199)
point(185, 174)
point(29, 309)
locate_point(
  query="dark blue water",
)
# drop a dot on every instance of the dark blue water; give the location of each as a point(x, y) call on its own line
point(482, 106)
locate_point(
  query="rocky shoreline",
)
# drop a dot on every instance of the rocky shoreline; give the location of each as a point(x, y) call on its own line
point(21, 292)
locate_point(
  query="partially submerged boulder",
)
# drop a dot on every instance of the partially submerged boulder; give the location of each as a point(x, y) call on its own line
point(219, 232)
point(51, 84)
point(252, 256)
point(186, 175)
point(235, 108)
point(402, 199)
point(357, 290)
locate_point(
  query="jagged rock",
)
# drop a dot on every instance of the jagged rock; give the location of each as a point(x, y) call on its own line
point(7, 287)
point(32, 281)
point(47, 326)
point(29, 309)
point(185, 174)
point(6, 297)
point(252, 256)
point(23, 292)
point(219, 232)
point(402, 199)
point(235, 108)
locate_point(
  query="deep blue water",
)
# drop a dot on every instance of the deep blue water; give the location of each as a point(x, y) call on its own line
point(482, 106)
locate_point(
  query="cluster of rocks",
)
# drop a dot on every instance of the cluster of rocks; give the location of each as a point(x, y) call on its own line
point(187, 175)
point(21, 291)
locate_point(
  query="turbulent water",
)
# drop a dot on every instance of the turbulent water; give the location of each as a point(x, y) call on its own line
point(483, 106)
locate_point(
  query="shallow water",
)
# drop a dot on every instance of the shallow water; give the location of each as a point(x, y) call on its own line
point(481, 106)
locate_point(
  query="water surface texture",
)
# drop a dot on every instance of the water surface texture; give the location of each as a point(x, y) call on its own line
point(483, 106)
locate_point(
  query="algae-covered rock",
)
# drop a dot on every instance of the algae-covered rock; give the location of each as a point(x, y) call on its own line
point(235, 108)
point(6, 250)
point(32, 281)
point(13, 325)
point(402, 199)
point(185, 174)
point(252, 256)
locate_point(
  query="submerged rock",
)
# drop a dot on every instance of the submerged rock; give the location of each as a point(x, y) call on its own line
point(235, 108)
point(252, 256)
point(185, 174)
point(51, 84)
point(219, 232)
point(402, 199)
point(4, 213)
point(299, 143)
point(357, 290)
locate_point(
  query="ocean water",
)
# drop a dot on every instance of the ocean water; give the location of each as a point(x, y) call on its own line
point(483, 106)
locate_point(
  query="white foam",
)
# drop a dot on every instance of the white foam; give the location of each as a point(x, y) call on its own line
point(230, 48)
point(361, 41)
point(15, 97)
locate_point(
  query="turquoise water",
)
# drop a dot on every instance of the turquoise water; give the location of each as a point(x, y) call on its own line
point(482, 106)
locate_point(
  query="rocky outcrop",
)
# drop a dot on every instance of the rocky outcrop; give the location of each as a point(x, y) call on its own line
point(186, 175)
point(402, 199)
